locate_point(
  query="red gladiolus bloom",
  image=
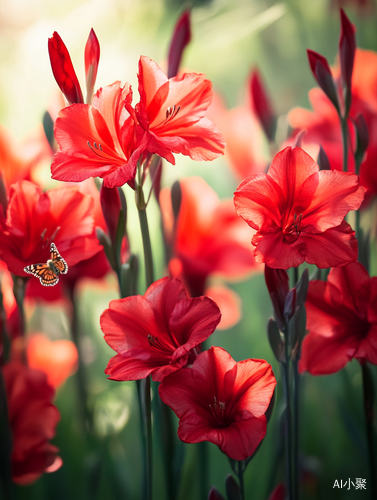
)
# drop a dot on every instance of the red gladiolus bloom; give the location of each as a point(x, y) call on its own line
point(35, 219)
point(97, 139)
point(323, 126)
point(172, 111)
point(32, 420)
point(298, 212)
point(221, 401)
point(208, 237)
point(341, 319)
point(154, 333)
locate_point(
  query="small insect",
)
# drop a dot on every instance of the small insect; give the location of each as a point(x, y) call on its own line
point(48, 273)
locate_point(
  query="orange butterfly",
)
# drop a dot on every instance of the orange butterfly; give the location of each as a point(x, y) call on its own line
point(48, 273)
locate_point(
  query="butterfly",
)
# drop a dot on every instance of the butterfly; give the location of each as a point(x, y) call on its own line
point(48, 273)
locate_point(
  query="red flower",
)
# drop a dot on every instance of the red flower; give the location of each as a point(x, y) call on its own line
point(32, 420)
point(35, 219)
point(58, 359)
point(323, 126)
point(299, 212)
point(342, 321)
point(172, 112)
point(154, 333)
point(221, 401)
point(208, 237)
point(97, 139)
point(243, 135)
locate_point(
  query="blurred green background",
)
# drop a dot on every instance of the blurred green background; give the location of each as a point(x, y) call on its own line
point(228, 39)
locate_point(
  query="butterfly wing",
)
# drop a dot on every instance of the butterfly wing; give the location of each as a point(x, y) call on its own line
point(58, 260)
point(44, 273)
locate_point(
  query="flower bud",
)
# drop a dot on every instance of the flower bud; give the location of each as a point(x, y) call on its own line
point(214, 494)
point(181, 37)
point(63, 70)
point(322, 73)
point(111, 206)
point(92, 53)
point(262, 105)
point(347, 48)
point(323, 160)
point(277, 282)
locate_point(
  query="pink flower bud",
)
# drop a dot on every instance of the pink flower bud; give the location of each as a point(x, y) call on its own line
point(111, 205)
point(92, 54)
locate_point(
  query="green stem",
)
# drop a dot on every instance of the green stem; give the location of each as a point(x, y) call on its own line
point(148, 260)
point(296, 427)
point(145, 385)
point(240, 473)
point(368, 391)
point(82, 393)
point(19, 295)
point(288, 427)
point(343, 122)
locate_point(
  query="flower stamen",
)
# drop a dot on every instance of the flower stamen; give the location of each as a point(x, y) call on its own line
point(171, 113)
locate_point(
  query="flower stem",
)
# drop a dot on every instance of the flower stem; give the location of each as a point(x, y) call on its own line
point(368, 390)
point(296, 427)
point(19, 295)
point(145, 385)
point(288, 427)
point(343, 123)
point(86, 417)
point(240, 473)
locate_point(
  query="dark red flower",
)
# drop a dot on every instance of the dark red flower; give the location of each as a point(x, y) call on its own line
point(323, 126)
point(221, 401)
point(35, 219)
point(97, 140)
point(208, 238)
point(341, 319)
point(154, 333)
point(298, 212)
point(32, 420)
point(63, 70)
point(171, 114)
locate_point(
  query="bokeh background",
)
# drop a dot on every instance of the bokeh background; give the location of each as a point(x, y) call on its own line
point(229, 38)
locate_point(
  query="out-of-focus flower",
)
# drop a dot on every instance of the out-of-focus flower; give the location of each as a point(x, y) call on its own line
point(323, 127)
point(18, 160)
point(207, 238)
point(34, 220)
point(154, 334)
point(342, 321)
point(63, 69)
point(243, 135)
point(171, 114)
point(32, 420)
point(97, 139)
point(221, 401)
point(278, 493)
point(58, 359)
point(298, 212)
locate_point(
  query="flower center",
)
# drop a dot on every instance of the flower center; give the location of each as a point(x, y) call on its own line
point(46, 242)
point(218, 411)
point(293, 230)
point(171, 113)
